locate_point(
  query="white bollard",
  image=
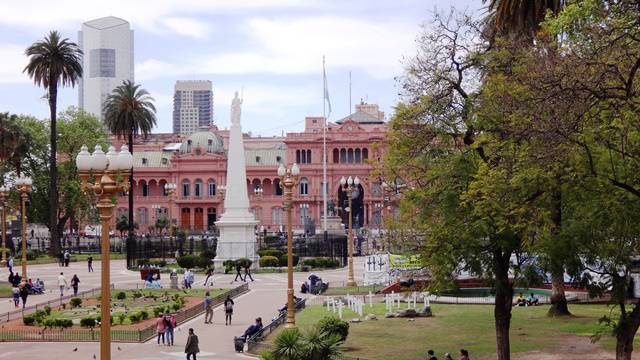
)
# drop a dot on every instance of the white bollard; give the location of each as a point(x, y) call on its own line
point(370, 299)
point(340, 310)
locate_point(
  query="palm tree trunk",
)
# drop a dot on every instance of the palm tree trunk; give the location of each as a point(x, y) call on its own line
point(54, 244)
point(503, 304)
point(130, 247)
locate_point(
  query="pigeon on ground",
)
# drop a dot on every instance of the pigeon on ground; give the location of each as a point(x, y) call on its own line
point(94, 356)
point(76, 349)
point(119, 348)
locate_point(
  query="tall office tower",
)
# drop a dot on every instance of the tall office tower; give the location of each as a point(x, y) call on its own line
point(192, 106)
point(107, 44)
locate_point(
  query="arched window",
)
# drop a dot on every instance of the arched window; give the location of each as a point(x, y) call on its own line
point(304, 186)
point(343, 156)
point(336, 156)
point(365, 154)
point(212, 188)
point(298, 156)
point(144, 188)
point(358, 156)
point(350, 156)
point(276, 187)
point(197, 188)
point(308, 156)
point(186, 188)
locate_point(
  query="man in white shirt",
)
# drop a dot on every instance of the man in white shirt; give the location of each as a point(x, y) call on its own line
point(62, 282)
point(10, 265)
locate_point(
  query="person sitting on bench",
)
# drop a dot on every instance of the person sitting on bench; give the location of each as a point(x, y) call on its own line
point(253, 329)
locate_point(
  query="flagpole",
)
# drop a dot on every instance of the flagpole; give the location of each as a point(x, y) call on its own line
point(324, 149)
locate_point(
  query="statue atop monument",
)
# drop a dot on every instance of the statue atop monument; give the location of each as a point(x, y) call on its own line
point(236, 105)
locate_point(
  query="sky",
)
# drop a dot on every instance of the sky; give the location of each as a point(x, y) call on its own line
point(271, 50)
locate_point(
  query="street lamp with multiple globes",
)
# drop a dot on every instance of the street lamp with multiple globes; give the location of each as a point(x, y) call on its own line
point(170, 188)
point(4, 194)
point(105, 169)
point(23, 185)
point(349, 186)
point(257, 191)
point(288, 180)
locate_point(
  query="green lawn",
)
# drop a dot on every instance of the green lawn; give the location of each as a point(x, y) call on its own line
point(74, 258)
point(356, 290)
point(458, 326)
point(131, 304)
point(5, 291)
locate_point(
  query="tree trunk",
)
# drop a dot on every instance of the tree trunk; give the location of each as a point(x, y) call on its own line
point(130, 250)
point(503, 304)
point(559, 305)
point(627, 329)
point(54, 239)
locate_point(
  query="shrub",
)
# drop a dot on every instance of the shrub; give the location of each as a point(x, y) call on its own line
point(269, 261)
point(270, 252)
point(88, 322)
point(325, 262)
point(208, 253)
point(228, 266)
point(159, 263)
point(157, 311)
point(63, 323)
point(47, 309)
point(244, 262)
point(75, 302)
point(309, 262)
point(134, 318)
point(204, 262)
point(284, 260)
point(121, 318)
point(121, 295)
point(99, 319)
point(334, 326)
point(28, 320)
point(143, 315)
point(137, 294)
point(48, 323)
point(187, 261)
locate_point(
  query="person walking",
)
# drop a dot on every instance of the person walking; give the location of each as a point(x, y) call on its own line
point(62, 283)
point(247, 272)
point(16, 296)
point(90, 263)
point(160, 328)
point(24, 293)
point(61, 258)
point(75, 282)
point(191, 348)
point(228, 310)
point(208, 308)
point(168, 329)
point(209, 277)
point(238, 273)
point(10, 265)
point(67, 258)
point(16, 279)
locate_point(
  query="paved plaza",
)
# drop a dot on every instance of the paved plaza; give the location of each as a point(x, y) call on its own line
point(267, 293)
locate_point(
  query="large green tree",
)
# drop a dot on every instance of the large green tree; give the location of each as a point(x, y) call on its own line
point(129, 111)
point(54, 62)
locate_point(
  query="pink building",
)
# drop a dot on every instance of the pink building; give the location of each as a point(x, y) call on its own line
point(197, 165)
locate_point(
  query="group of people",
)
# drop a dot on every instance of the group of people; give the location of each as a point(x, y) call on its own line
point(63, 283)
point(164, 327)
point(21, 290)
point(247, 273)
point(189, 279)
point(315, 285)
point(64, 258)
point(464, 355)
point(532, 300)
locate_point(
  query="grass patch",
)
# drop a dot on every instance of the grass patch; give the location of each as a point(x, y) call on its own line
point(458, 326)
point(5, 291)
point(355, 290)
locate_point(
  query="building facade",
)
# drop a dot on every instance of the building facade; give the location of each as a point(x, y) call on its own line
point(192, 106)
point(107, 44)
point(197, 165)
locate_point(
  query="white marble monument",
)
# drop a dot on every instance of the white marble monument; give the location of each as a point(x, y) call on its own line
point(237, 225)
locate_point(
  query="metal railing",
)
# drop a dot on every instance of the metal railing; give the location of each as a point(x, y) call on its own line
point(117, 335)
point(255, 344)
point(57, 302)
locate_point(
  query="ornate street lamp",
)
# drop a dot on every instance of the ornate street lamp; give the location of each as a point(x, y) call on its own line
point(349, 185)
point(23, 185)
point(170, 188)
point(105, 169)
point(4, 194)
point(288, 180)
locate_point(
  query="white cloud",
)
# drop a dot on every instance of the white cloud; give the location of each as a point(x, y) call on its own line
point(187, 27)
point(297, 46)
point(13, 62)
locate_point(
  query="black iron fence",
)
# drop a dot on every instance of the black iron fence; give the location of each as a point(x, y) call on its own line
point(163, 248)
point(255, 344)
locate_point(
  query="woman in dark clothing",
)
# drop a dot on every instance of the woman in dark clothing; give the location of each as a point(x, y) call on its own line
point(191, 348)
point(24, 292)
point(228, 310)
point(74, 284)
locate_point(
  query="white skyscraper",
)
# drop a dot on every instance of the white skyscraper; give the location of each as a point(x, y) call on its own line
point(192, 106)
point(107, 44)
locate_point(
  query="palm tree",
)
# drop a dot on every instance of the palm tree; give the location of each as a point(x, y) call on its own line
point(519, 18)
point(129, 111)
point(54, 61)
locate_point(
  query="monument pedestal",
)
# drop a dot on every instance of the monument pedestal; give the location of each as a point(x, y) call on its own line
point(237, 240)
point(334, 224)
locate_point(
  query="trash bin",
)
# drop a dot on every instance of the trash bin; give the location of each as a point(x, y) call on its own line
point(238, 342)
point(173, 278)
